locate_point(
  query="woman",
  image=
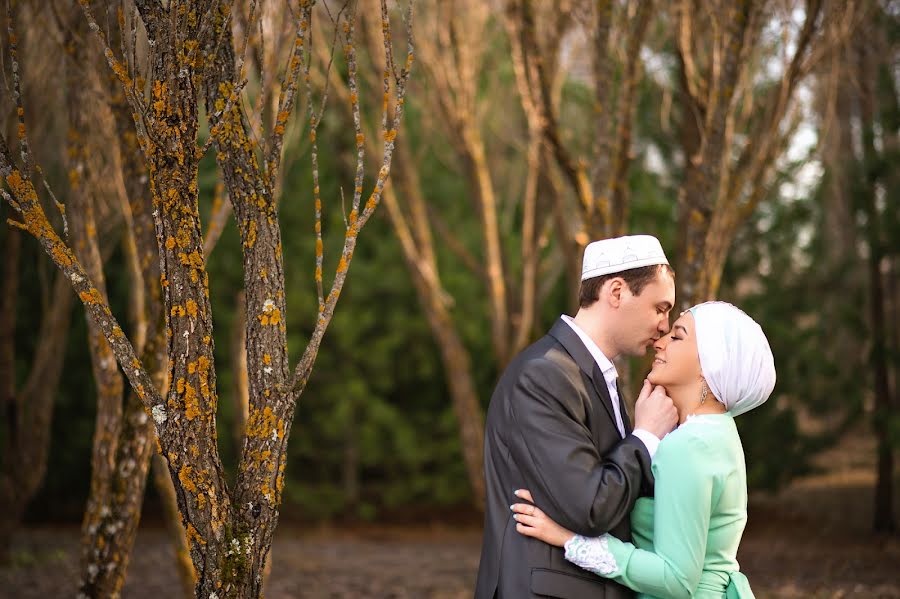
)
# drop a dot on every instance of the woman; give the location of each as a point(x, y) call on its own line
point(715, 365)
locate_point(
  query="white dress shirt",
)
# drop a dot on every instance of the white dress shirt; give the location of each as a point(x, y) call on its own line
point(610, 374)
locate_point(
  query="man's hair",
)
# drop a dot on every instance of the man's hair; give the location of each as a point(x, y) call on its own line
point(636, 279)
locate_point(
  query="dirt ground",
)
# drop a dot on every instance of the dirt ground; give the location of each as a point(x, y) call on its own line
point(810, 541)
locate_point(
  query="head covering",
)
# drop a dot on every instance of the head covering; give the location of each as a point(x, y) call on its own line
point(609, 256)
point(735, 356)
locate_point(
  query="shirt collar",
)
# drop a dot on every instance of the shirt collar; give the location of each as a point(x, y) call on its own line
point(610, 374)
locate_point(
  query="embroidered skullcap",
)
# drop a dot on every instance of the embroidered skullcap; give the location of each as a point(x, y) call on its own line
point(735, 356)
point(609, 256)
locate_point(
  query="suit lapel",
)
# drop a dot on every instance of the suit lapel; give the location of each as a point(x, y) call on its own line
point(569, 339)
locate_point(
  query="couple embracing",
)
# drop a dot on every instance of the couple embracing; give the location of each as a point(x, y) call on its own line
point(583, 504)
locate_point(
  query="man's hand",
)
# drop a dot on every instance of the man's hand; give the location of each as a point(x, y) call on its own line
point(654, 411)
point(531, 521)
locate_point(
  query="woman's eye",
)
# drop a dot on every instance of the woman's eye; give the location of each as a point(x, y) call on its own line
point(674, 338)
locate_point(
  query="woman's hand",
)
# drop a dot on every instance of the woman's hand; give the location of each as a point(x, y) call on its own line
point(532, 522)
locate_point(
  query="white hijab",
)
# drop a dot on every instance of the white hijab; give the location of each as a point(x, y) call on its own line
point(735, 356)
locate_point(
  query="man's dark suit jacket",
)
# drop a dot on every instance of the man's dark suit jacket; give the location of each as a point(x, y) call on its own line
point(551, 429)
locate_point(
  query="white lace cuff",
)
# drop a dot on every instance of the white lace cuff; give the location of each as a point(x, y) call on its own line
point(592, 554)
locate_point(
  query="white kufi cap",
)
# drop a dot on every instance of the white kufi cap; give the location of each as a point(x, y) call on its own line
point(609, 256)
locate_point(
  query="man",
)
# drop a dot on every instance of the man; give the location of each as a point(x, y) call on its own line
point(557, 425)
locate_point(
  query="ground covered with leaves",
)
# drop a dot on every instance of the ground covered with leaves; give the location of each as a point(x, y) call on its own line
point(812, 540)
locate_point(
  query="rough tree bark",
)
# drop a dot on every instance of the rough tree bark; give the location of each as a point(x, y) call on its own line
point(230, 532)
point(724, 183)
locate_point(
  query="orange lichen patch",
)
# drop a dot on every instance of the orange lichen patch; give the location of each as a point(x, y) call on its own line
point(251, 234)
point(194, 536)
point(261, 423)
point(191, 307)
point(92, 296)
point(203, 365)
point(342, 265)
point(272, 317)
point(279, 480)
point(163, 282)
point(267, 359)
point(191, 402)
point(371, 203)
point(201, 501)
point(192, 367)
point(183, 237)
point(118, 68)
point(170, 243)
point(184, 475)
point(312, 136)
point(159, 102)
point(391, 135)
point(194, 259)
point(178, 310)
point(117, 332)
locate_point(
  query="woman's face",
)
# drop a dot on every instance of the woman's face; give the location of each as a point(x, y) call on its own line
point(677, 361)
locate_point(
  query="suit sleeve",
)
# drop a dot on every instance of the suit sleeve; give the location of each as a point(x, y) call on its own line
point(582, 490)
point(684, 490)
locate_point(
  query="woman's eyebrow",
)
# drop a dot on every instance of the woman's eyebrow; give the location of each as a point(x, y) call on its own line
point(678, 326)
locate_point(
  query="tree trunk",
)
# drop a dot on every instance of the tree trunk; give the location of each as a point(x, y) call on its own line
point(177, 534)
point(8, 403)
point(698, 279)
point(454, 355)
point(229, 533)
point(883, 517)
point(29, 415)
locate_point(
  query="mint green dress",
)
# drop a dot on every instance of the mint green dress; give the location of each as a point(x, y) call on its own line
point(686, 537)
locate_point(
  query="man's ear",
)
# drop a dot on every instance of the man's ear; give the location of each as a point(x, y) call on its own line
point(616, 287)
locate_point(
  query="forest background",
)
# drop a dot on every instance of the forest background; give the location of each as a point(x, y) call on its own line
point(757, 140)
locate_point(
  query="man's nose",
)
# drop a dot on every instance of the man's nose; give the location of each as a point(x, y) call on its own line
point(664, 326)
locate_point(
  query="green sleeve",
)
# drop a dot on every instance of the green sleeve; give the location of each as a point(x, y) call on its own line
point(683, 498)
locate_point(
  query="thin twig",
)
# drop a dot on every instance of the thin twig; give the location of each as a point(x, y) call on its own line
point(289, 88)
point(17, 93)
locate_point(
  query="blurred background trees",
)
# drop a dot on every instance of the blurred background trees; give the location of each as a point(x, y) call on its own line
point(757, 139)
